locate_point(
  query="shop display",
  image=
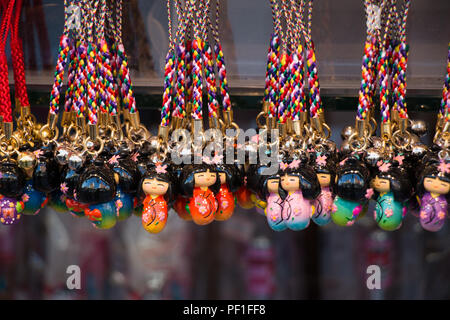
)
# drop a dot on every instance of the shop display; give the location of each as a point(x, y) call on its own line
point(94, 158)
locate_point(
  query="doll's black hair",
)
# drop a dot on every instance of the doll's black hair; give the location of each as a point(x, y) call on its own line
point(353, 180)
point(128, 173)
point(12, 179)
point(308, 182)
point(232, 176)
point(164, 177)
point(431, 170)
point(187, 182)
point(96, 183)
point(46, 174)
point(400, 183)
point(263, 191)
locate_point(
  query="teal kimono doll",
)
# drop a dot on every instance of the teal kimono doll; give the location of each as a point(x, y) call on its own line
point(392, 190)
point(352, 189)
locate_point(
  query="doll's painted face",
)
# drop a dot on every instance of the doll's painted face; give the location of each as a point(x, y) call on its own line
point(290, 183)
point(154, 187)
point(324, 179)
point(436, 185)
point(272, 185)
point(381, 185)
point(223, 177)
point(205, 179)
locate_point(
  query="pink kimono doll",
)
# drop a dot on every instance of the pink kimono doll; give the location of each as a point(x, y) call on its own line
point(299, 187)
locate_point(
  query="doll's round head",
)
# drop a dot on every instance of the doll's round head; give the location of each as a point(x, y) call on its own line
point(157, 181)
point(352, 179)
point(325, 168)
point(391, 178)
point(96, 183)
point(230, 175)
point(46, 175)
point(199, 175)
point(296, 176)
point(435, 178)
point(12, 179)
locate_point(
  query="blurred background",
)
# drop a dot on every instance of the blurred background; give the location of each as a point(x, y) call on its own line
point(241, 258)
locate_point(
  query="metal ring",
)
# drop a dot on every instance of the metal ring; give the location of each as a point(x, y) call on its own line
point(261, 115)
point(55, 134)
point(94, 153)
point(403, 146)
point(8, 153)
point(354, 137)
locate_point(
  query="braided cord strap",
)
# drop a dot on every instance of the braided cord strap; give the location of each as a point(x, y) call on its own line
point(63, 54)
point(169, 75)
point(125, 84)
point(274, 62)
point(401, 51)
point(70, 99)
point(208, 57)
point(315, 103)
point(284, 86)
point(17, 58)
point(180, 85)
point(91, 70)
point(297, 83)
point(369, 64)
point(168, 85)
point(383, 66)
point(197, 77)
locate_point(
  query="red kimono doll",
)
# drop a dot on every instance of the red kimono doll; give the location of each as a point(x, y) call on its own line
point(200, 183)
point(156, 185)
point(230, 181)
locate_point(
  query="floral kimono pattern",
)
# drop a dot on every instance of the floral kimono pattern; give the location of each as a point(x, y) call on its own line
point(203, 206)
point(154, 214)
point(274, 212)
point(324, 207)
point(297, 211)
point(433, 212)
point(226, 202)
point(388, 212)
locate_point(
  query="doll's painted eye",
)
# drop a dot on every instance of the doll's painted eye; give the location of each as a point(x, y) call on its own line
point(292, 180)
point(160, 185)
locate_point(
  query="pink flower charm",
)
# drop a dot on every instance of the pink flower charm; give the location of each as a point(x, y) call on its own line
point(294, 164)
point(388, 212)
point(207, 160)
point(274, 217)
point(283, 166)
point(38, 153)
point(114, 159)
point(25, 197)
point(217, 159)
point(161, 215)
point(203, 209)
point(350, 223)
point(369, 193)
point(383, 166)
point(334, 208)
point(343, 162)
point(399, 159)
point(134, 156)
point(161, 168)
point(64, 188)
point(444, 167)
point(423, 215)
point(225, 204)
point(321, 160)
point(255, 138)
